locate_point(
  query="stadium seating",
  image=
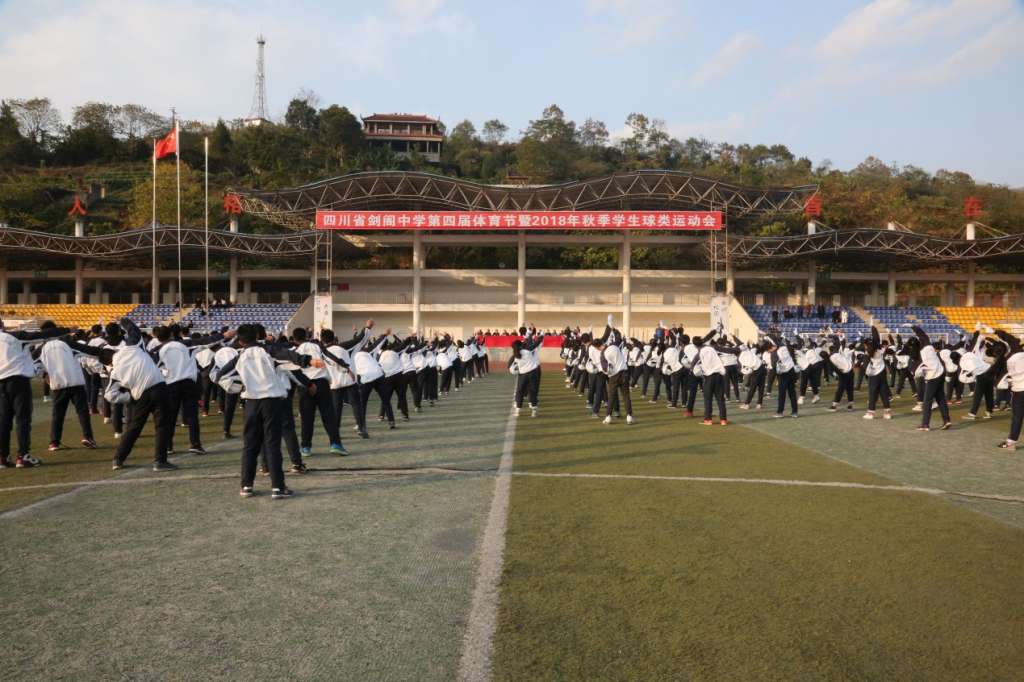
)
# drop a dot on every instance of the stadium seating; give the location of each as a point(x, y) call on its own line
point(997, 318)
point(273, 316)
point(898, 320)
point(762, 317)
point(66, 314)
point(149, 315)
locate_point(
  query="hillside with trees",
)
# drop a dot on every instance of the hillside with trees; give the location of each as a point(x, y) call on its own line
point(44, 160)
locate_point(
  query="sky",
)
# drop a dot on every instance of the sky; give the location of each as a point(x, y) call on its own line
point(937, 84)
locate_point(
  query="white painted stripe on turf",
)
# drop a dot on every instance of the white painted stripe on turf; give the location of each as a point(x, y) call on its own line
point(778, 481)
point(478, 643)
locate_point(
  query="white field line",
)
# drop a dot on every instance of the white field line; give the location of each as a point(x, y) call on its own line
point(478, 643)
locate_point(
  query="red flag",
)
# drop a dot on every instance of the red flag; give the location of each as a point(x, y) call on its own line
point(168, 145)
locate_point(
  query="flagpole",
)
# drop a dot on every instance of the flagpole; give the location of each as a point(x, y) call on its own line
point(206, 220)
point(177, 163)
point(155, 285)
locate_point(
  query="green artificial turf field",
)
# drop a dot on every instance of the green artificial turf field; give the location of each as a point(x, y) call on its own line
point(627, 556)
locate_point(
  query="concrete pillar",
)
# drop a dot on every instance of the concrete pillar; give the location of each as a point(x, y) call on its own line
point(970, 231)
point(79, 282)
point(3, 284)
point(874, 293)
point(812, 280)
point(417, 278)
point(154, 287)
point(626, 266)
point(730, 280)
point(890, 226)
point(247, 291)
point(521, 281)
point(233, 265)
point(173, 292)
point(26, 291)
point(970, 283)
point(890, 299)
point(812, 227)
point(79, 226)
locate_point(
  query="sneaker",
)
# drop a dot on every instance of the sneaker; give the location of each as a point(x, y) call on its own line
point(392, 426)
point(355, 428)
point(280, 493)
point(758, 406)
point(298, 469)
point(607, 420)
point(869, 415)
point(306, 452)
point(264, 471)
point(533, 411)
point(247, 491)
point(672, 407)
point(629, 419)
point(228, 435)
point(834, 408)
point(778, 415)
point(1009, 445)
point(118, 465)
point(707, 422)
point(850, 407)
point(794, 415)
point(5, 463)
point(364, 434)
point(887, 414)
point(55, 446)
point(204, 414)
point(26, 462)
point(339, 450)
point(917, 408)
point(946, 426)
point(198, 450)
point(164, 466)
point(88, 443)
point(723, 422)
point(800, 400)
point(516, 412)
point(106, 420)
point(46, 398)
point(744, 406)
point(816, 399)
point(923, 428)
point(988, 415)
point(969, 416)
point(688, 414)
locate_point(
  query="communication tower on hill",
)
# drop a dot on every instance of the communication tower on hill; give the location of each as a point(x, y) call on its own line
point(258, 112)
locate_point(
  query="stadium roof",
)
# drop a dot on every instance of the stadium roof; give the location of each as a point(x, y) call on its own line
point(638, 190)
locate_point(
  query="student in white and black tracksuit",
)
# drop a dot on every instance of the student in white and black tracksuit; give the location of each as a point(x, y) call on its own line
point(175, 357)
point(785, 371)
point(752, 366)
point(316, 398)
point(874, 370)
point(525, 355)
point(16, 372)
point(135, 369)
point(616, 367)
point(68, 383)
point(714, 379)
point(264, 395)
point(1015, 379)
point(841, 361)
point(933, 372)
point(984, 362)
point(370, 376)
point(338, 357)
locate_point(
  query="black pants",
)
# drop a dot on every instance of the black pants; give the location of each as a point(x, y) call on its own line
point(93, 382)
point(206, 386)
point(385, 387)
point(288, 434)
point(528, 385)
point(757, 378)
point(811, 377)
point(75, 395)
point(933, 393)
point(228, 408)
point(154, 402)
point(646, 372)
point(693, 382)
point(184, 397)
point(363, 395)
point(350, 395)
point(15, 413)
point(714, 390)
point(676, 383)
point(845, 386)
point(446, 379)
point(787, 388)
point(953, 386)
point(415, 382)
point(457, 372)
point(429, 381)
point(262, 432)
point(618, 393)
point(402, 391)
point(983, 388)
point(904, 375)
point(309, 405)
point(1017, 415)
point(732, 378)
point(596, 395)
point(877, 388)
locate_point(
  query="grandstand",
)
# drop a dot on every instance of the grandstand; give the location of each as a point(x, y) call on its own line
point(931, 320)
point(64, 314)
point(273, 316)
point(149, 315)
point(1010, 319)
point(762, 317)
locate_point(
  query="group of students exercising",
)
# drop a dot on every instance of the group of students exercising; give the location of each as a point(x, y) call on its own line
point(130, 377)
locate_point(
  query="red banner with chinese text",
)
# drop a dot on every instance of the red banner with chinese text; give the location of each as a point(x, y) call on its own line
point(519, 220)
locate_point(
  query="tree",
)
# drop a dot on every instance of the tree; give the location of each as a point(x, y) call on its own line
point(140, 209)
point(99, 116)
point(134, 121)
point(593, 134)
point(38, 120)
point(14, 148)
point(341, 134)
point(301, 115)
point(549, 147)
point(494, 131)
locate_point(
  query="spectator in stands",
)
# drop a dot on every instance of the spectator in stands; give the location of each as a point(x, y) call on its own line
point(821, 311)
point(775, 315)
